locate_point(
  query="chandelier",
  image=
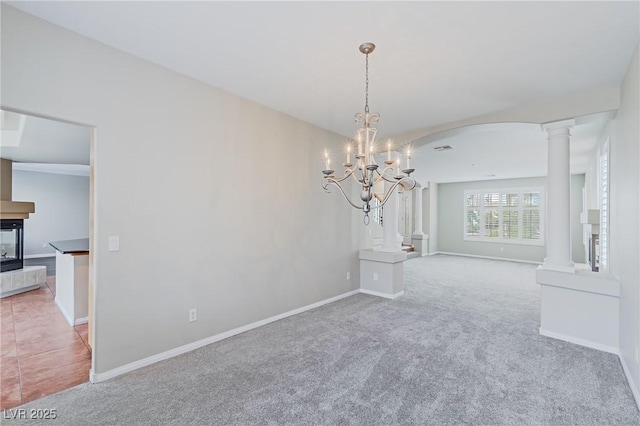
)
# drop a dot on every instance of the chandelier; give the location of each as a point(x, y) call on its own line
point(365, 171)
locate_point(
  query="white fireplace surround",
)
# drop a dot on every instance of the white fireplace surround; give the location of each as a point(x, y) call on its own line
point(21, 280)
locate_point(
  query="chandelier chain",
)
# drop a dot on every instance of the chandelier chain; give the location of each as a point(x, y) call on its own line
point(366, 87)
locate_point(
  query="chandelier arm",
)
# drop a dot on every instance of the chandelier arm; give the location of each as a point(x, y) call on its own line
point(328, 182)
point(385, 177)
point(384, 171)
point(395, 185)
point(347, 173)
point(359, 180)
point(410, 186)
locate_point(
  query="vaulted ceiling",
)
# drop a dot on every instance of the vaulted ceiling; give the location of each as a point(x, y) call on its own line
point(435, 62)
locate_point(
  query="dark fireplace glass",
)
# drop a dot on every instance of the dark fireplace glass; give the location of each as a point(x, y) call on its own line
point(11, 240)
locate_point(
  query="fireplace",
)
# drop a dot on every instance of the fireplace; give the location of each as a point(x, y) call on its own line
point(11, 244)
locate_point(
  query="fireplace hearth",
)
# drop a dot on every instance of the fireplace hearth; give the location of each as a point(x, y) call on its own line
point(11, 244)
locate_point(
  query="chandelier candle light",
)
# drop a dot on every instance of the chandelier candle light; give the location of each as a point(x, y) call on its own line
point(365, 171)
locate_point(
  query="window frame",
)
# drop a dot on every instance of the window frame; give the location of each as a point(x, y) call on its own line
point(482, 237)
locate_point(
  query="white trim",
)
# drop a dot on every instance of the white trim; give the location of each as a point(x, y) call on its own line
point(100, 377)
point(489, 257)
point(68, 317)
point(632, 384)
point(578, 341)
point(385, 295)
point(80, 321)
point(36, 256)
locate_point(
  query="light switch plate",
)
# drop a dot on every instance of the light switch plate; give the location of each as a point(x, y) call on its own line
point(114, 243)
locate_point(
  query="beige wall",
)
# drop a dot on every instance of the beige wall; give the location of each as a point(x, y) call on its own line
point(62, 208)
point(216, 199)
point(625, 215)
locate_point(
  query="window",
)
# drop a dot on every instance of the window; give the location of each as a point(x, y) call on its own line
point(511, 216)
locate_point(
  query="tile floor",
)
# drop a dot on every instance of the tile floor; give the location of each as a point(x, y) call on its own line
point(40, 353)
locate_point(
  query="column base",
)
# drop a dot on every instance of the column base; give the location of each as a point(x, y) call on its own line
point(581, 308)
point(569, 268)
point(420, 243)
point(381, 273)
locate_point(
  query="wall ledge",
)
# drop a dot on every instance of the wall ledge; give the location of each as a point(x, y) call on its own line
point(582, 280)
point(383, 256)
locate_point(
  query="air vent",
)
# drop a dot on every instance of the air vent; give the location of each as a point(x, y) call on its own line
point(443, 148)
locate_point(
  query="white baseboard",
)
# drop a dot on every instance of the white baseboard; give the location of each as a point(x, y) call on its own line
point(633, 385)
point(385, 295)
point(578, 341)
point(80, 321)
point(68, 317)
point(488, 257)
point(101, 377)
point(36, 256)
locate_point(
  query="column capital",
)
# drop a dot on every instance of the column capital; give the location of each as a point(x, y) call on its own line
point(558, 125)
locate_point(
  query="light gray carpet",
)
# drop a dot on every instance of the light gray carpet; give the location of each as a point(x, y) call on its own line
point(461, 347)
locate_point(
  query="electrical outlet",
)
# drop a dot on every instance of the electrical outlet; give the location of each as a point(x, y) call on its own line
point(193, 314)
point(44, 245)
point(348, 275)
point(501, 249)
point(375, 276)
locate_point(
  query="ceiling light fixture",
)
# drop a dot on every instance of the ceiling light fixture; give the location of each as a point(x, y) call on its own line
point(365, 171)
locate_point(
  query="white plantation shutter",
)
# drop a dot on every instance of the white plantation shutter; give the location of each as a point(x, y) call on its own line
point(472, 215)
point(531, 216)
point(604, 207)
point(512, 216)
point(491, 223)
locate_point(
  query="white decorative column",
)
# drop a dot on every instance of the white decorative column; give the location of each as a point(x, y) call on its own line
point(558, 237)
point(577, 306)
point(417, 219)
point(419, 241)
point(390, 223)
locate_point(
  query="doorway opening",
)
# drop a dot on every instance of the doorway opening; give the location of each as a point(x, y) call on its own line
point(47, 339)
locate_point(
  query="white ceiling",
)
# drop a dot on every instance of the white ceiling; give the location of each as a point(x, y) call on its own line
point(501, 151)
point(435, 62)
point(40, 140)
